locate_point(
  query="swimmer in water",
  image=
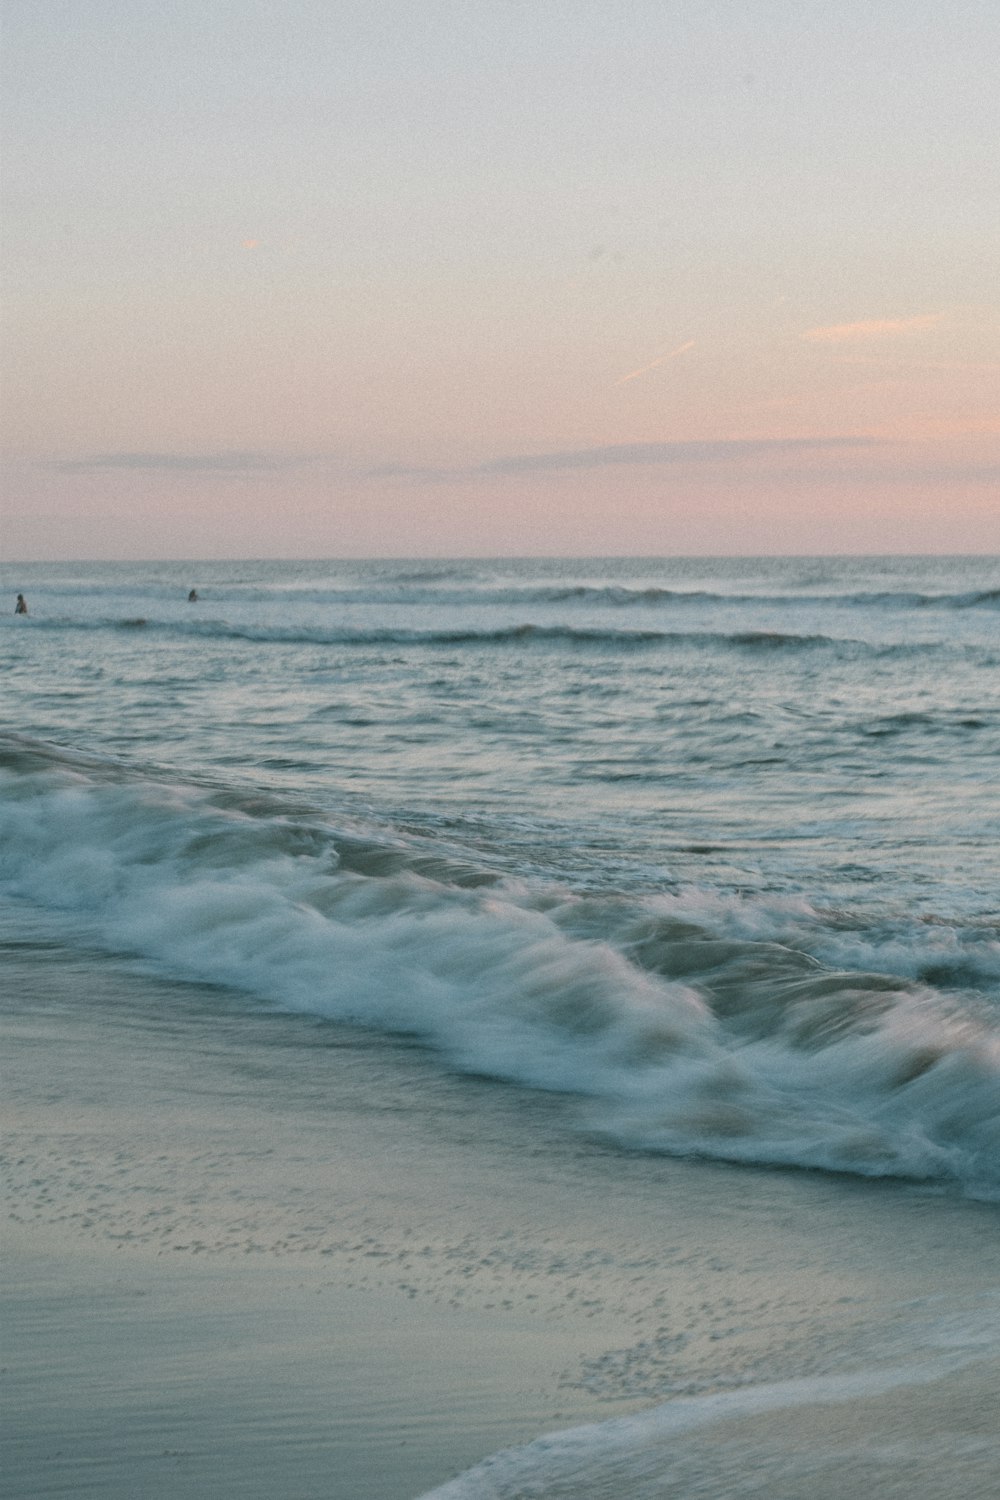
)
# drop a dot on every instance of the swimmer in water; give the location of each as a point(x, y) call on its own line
point(20, 608)
point(193, 597)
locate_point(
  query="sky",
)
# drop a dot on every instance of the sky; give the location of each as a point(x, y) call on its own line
point(351, 278)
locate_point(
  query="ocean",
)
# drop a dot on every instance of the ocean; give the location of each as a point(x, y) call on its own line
point(706, 849)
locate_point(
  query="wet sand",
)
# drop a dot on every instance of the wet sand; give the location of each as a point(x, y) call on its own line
point(257, 1255)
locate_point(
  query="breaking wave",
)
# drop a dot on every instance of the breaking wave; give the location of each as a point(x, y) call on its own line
point(750, 1030)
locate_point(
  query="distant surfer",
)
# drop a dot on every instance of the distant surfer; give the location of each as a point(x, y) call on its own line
point(193, 597)
point(21, 607)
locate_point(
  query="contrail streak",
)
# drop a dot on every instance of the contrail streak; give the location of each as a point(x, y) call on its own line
point(671, 354)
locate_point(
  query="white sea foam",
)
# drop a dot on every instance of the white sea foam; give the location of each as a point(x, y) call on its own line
point(690, 1023)
point(644, 1456)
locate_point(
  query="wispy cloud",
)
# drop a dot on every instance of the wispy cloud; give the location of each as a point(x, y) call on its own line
point(693, 451)
point(218, 463)
point(697, 451)
point(659, 360)
point(873, 328)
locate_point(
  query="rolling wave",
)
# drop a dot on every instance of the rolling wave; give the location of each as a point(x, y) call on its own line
point(691, 1024)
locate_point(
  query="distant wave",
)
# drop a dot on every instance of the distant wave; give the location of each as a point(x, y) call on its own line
point(692, 1024)
point(433, 587)
point(771, 639)
point(622, 596)
point(525, 635)
point(975, 599)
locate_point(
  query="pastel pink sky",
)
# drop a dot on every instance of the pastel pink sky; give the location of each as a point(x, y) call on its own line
point(332, 280)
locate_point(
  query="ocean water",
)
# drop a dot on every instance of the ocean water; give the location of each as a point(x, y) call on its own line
point(711, 845)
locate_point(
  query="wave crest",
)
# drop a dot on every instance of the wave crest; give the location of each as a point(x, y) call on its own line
point(688, 1026)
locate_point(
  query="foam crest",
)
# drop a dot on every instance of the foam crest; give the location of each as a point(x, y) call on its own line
point(690, 1024)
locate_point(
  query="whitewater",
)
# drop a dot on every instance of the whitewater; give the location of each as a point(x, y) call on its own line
point(711, 846)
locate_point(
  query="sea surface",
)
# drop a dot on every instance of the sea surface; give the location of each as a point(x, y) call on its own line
point(712, 845)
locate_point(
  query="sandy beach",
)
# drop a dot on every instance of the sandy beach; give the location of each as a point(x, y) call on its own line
point(257, 1255)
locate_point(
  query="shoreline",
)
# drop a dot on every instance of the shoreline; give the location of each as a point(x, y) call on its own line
point(249, 1253)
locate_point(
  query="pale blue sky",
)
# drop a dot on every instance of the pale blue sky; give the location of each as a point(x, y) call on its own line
point(339, 278)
